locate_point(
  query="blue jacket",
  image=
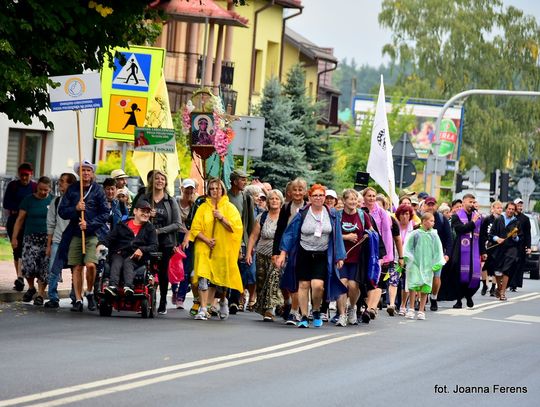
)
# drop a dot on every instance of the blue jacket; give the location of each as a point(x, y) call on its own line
point(290, 242)
point(96, 213)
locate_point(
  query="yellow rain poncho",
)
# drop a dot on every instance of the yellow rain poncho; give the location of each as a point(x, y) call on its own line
point(222, 268)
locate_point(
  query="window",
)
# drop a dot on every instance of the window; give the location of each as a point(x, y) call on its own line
point(25, 146)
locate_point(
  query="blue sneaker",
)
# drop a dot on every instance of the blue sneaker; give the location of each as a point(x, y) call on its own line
point(303, 323)
point(317, 320)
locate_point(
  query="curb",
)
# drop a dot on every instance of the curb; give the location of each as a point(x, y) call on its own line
point(14, 296)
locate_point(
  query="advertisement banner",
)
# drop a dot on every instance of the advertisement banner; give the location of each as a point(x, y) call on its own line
point(423, 134)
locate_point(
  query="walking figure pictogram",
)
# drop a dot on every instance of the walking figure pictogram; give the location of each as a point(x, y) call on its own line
point(134, 70)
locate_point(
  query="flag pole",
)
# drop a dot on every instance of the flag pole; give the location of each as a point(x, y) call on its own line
point(81, 199)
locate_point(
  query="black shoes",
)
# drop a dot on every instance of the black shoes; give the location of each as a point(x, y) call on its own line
point(29, 295)
point(492, 291)
point(162, 309)
point(434, 306)
point(128, 291)
point(77, 307)
point(484, 290)
point(51, 304)
point(233, 309)
point(458, 304)
point(18, 284)
point(91, 302)
point(111, 290)
point(470, 302)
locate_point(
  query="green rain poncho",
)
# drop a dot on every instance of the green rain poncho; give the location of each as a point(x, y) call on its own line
point(423, 255)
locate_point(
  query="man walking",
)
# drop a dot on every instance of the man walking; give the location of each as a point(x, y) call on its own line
point(524, 246)
point(96, 213)
point(244, 204)
point(465, 262)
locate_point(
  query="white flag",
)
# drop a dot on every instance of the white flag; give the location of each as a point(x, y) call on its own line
point(380, 163)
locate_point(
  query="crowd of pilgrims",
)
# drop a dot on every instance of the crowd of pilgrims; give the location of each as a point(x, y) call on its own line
point(295, 254)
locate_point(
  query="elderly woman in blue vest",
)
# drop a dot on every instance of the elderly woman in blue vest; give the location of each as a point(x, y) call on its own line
point(314, 245)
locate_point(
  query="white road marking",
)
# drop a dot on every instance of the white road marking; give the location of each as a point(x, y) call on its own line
point(502, 320)
point(145, 373)
point(465, 312)
point(524, 318)
point(195, 371)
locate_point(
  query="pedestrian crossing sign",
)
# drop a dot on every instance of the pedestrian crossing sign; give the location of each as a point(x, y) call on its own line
point(134, 74)
point(126, 90)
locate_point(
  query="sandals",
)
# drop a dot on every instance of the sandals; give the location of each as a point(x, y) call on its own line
point(251, 306)
point(38, 301)
point(503, 298)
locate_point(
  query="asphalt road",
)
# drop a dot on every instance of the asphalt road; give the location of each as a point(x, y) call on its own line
point(51, 358)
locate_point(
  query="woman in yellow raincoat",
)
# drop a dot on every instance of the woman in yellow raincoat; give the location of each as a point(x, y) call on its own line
point(217, 233)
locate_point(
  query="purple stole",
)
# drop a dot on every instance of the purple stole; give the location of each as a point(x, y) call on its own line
point(467, 241)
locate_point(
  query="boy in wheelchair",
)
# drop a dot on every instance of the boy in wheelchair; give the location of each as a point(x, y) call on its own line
point(130, 244)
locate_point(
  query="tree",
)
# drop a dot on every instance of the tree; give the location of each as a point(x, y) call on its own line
point(451, 46)
point(316, 140)
point(39, 39)
point(283, 156)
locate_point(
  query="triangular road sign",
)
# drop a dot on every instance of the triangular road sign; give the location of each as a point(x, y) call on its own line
point(134, 75)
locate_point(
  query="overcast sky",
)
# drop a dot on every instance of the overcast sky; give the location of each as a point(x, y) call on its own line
point(351, 27)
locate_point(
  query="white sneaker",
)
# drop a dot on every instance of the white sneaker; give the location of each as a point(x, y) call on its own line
point(223, 309)
point(201, 315)
point(421, 315)
point(324, 317)
point(342, 321)
point(352, 319)
point(332, 306)
point(410, 314)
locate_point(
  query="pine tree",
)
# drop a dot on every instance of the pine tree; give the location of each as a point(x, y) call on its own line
point(283, 157)
point(316, 140)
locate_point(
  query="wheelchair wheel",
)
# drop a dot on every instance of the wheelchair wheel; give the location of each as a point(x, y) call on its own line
point(145, 309)
point(105, 308)
point(152, 311)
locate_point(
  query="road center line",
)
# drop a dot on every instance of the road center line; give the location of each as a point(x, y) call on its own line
point(502, 320)
point(145, 373)
point(200, 370)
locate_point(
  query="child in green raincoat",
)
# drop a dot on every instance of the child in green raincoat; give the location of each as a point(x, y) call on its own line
point(423, 255)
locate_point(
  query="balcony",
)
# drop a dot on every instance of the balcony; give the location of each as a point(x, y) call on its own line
point(180, 93)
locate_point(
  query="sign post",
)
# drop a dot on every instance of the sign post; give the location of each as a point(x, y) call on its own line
point(76, 92)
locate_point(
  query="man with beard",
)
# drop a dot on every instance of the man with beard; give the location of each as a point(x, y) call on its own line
point(524, 247)
point(487, 256)
point(506, 235)
point(463, 278)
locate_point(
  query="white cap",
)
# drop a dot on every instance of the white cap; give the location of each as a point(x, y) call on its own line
point(188, 182)
point(332, 193)
point(84, 163)
point(518, 201)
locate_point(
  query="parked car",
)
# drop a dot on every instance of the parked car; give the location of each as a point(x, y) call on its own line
point(532, 262)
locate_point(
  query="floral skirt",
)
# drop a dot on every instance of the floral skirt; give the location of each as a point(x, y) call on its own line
point(34, 262)
point(268, 278)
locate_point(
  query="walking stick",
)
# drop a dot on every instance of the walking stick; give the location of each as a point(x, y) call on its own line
point(213, 231)
point(510, 234)
point(83, 237)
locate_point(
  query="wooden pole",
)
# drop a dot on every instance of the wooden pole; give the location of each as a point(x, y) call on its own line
point(81, 199)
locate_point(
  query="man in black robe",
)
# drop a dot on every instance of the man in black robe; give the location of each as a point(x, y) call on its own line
point(524, 247)
point(506, 235)
point(462, 278)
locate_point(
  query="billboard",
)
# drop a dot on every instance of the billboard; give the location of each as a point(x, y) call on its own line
point(422, 136)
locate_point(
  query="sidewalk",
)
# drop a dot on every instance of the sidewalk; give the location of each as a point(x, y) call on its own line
point(7, 277)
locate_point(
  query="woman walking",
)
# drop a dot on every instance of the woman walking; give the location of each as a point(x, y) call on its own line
point(166, 219)
point(354, 226)
point(217, 232)
point(404, 215)
point(315, 250)
point(268, 275)
point(33, 215)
